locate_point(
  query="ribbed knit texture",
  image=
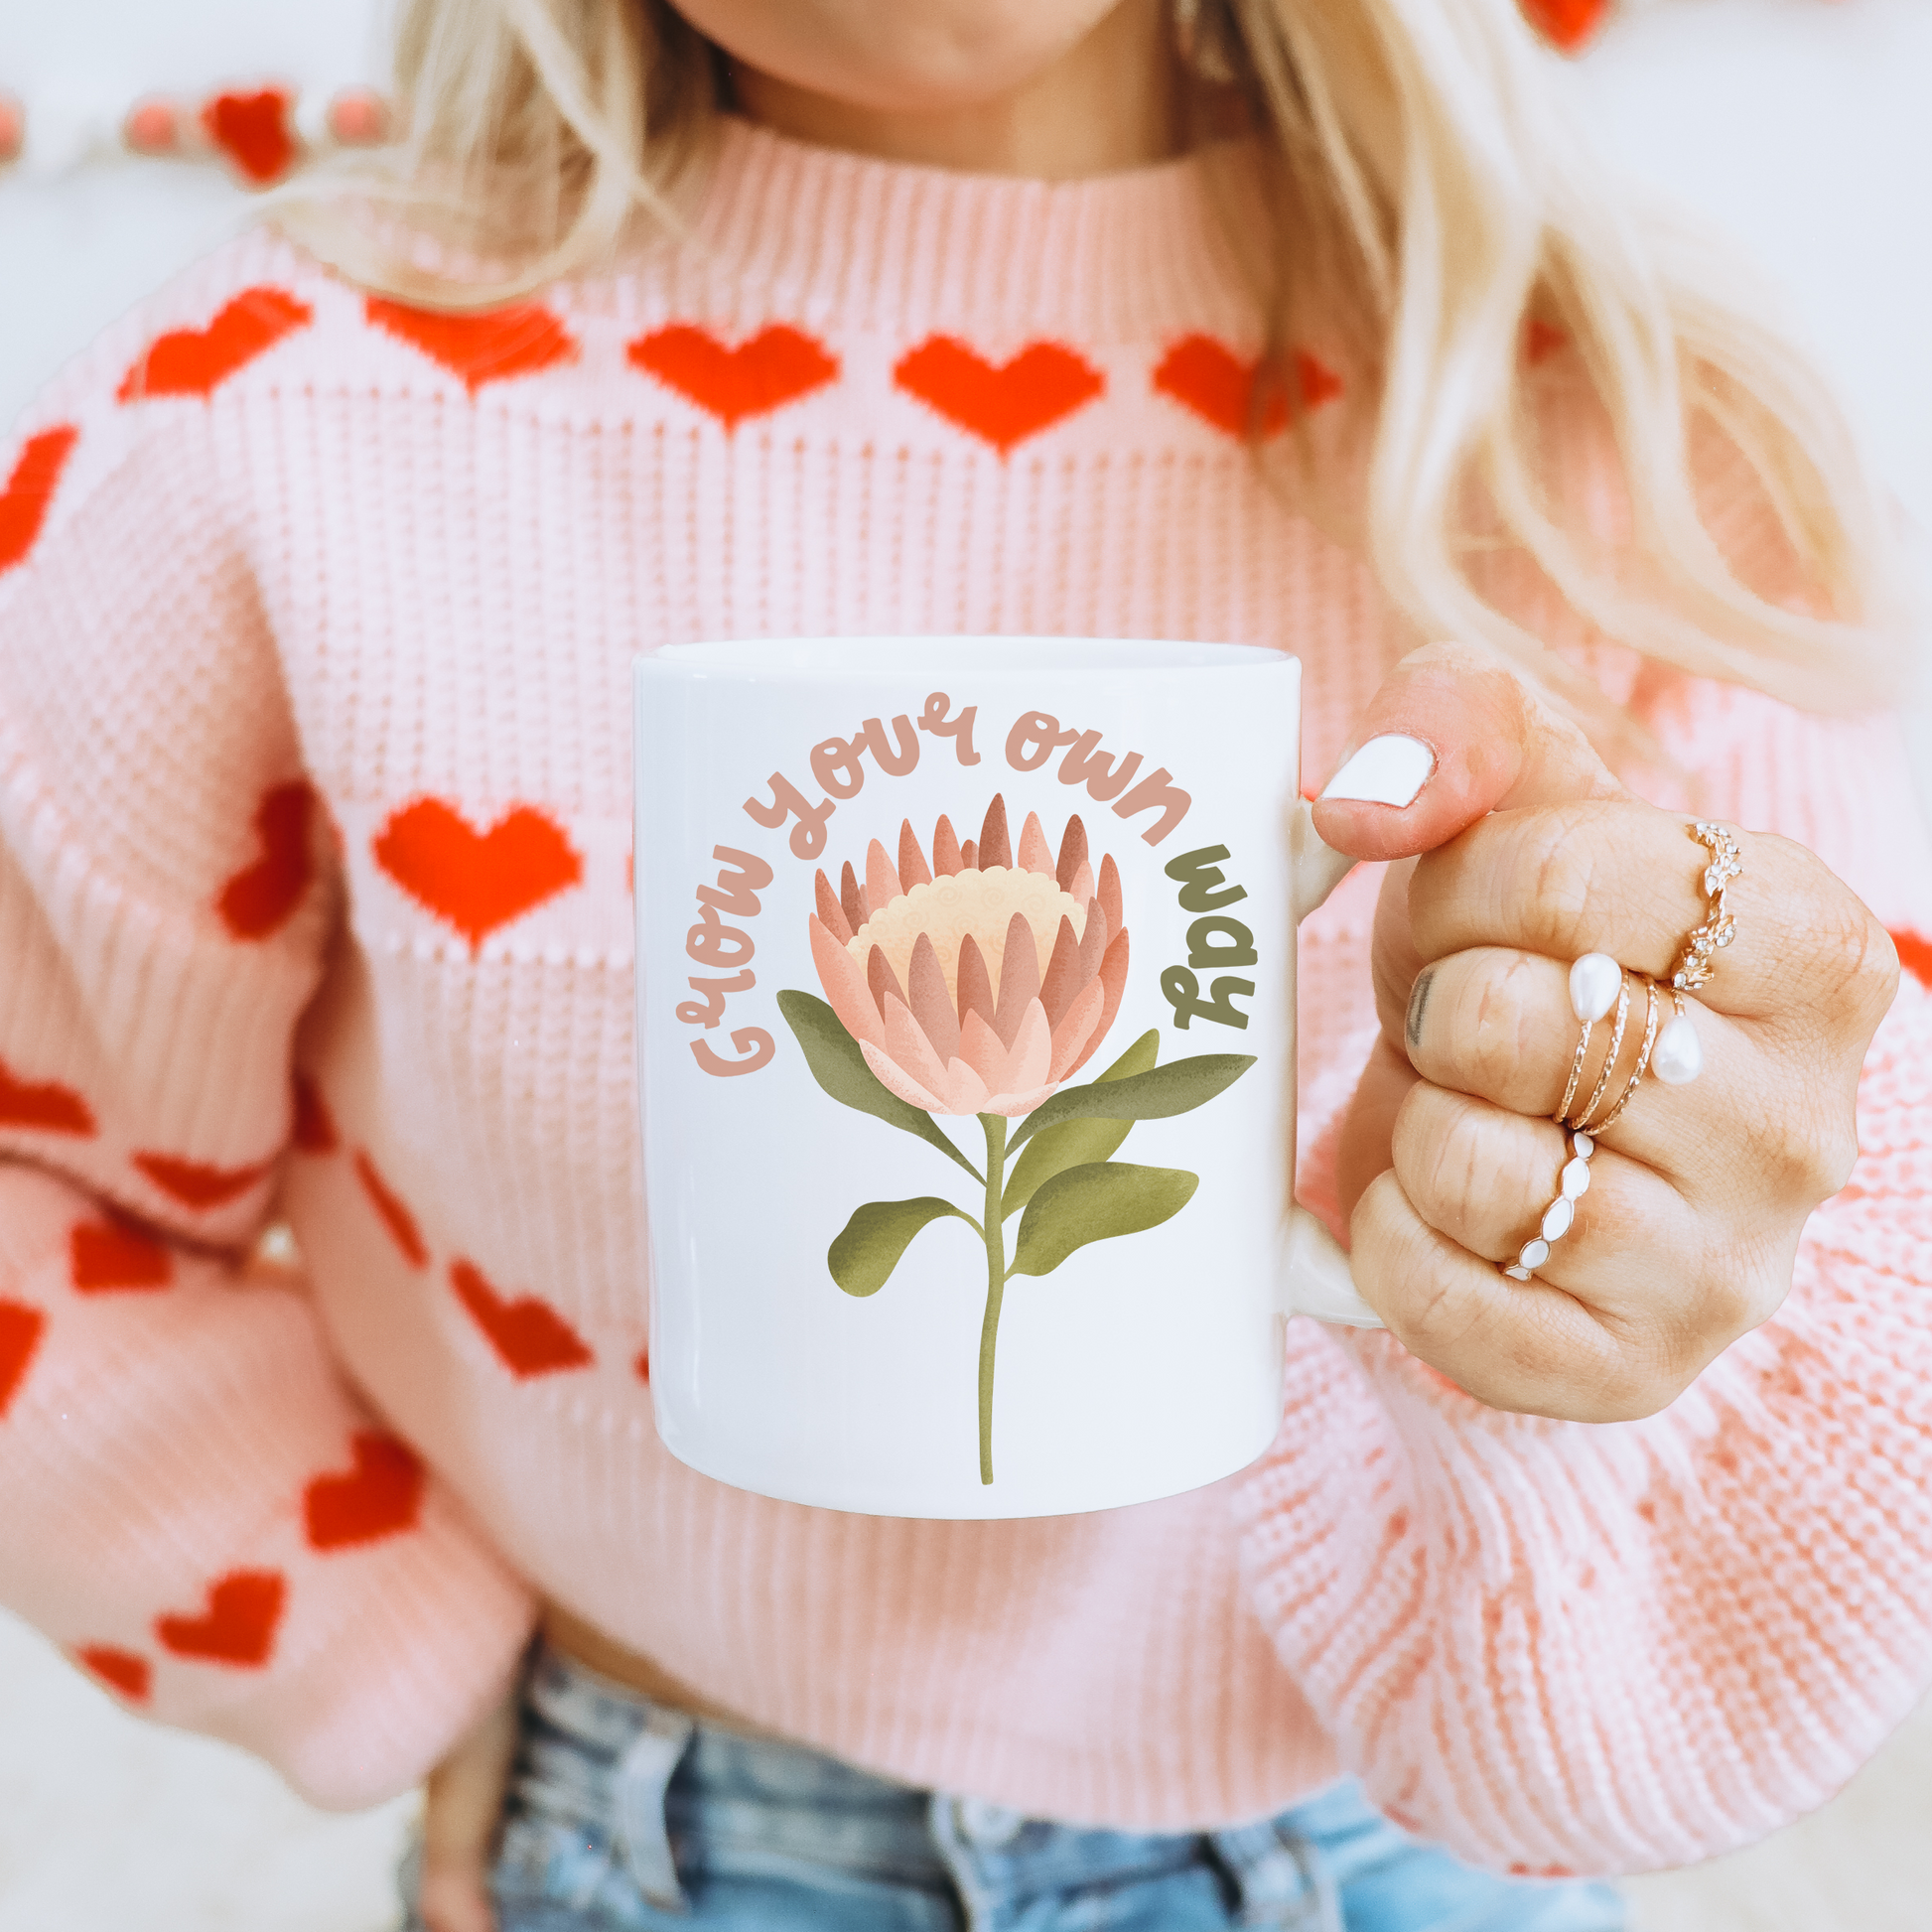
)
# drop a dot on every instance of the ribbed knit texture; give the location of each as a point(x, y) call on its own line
point(316, 619)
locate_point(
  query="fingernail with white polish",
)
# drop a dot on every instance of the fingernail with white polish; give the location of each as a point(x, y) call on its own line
point(1387, 770)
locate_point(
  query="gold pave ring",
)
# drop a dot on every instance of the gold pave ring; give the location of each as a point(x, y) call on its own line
point(1696, 963)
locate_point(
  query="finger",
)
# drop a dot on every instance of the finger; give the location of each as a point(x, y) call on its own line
point(1476, 739)
point(1530, 1347)
point(1497, 1025)
point(1628, 881)
point(1369, 1126)
point(462, 1805)
point(1487, 1179)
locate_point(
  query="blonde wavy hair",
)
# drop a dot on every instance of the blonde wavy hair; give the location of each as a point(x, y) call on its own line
point(1425, 188)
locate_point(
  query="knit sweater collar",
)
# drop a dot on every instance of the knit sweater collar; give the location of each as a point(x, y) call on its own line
point(821, 233)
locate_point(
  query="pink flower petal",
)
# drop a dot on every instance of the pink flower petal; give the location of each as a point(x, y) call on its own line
point(1113, 980)
point(882, 882)
point(910, 1049)
point(933, 1005)
point(946, 856)
point(1093, 941)
point(965, 1090)
point(969, 855)
point(1018, 979)
point(995, 846)
point(1071, 1036)
point(1073, 855)
point(830, 910)
point(1036, 855)
point(1013, 1105)
point(913, 868)
point(851, 900)
point(975, 982)
point(894, 1079)
point(1110, 894)
point(1030, 1061)
point(1082, 888)
point(845, 987)
point(1062, 979)
point(881, 979)
point(983, 1050)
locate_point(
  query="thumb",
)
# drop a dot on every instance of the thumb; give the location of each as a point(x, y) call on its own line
point(1453, 734)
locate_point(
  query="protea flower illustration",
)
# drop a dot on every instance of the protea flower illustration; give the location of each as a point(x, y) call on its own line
point(969, 984)
point(974, 985)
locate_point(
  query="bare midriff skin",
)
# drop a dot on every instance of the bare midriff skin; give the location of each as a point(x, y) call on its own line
point(590, 1648)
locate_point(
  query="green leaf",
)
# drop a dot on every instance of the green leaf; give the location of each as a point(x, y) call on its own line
point(1096, 1203)
point(1167, 1090)
point(1078, 1143)
point(840, 1068)
point(868, 1249)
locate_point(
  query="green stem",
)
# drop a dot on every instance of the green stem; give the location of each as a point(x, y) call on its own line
point(996, 1279)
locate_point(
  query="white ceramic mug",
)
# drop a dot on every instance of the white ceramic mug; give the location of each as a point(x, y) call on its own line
point(966, 1021)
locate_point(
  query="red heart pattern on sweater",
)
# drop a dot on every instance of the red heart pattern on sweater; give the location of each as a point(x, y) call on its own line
point(476, 881)
point(29, 493)
point(313, 1130)
point(261, 898)
point(197, 1184)
point(1207, 378)
point(761, 374)
point(110, 1257)
point(381, 1496)
point(21, 1328)
point(1568, 24)
point(1002, 403)
point(44, 1108)
point(529, 1336)
point(253, 131)
point(238, 1625)
point(493, 347)
point(396, 1217)
point(1915, 956)
point(196, 361)
point(122, 1670)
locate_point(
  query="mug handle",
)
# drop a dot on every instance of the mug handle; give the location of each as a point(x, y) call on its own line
point(1315, 1275)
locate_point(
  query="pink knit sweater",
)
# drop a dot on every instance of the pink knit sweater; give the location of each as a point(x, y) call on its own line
point(316, 617)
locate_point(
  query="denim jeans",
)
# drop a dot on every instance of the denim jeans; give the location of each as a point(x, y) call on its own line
point(626, 1816)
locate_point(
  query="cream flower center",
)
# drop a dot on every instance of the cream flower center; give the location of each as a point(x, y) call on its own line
point(981, 904)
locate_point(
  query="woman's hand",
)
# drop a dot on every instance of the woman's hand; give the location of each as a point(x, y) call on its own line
point(462, 1804)
point(1688, 1233)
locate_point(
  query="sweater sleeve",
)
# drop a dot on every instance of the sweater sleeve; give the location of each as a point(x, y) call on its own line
point(195, 1506)
point(1571, 1648)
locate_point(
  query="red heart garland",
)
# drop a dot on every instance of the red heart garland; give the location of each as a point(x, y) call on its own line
point(1915, 955)
point(196, 361)
point(197, 1184)
point(395, 1217)
point(529, 1336)
point(381, 1496)
point(108, 1257)
point(1568, 24)
point(252, 131)
point(262, 898)
point(1002, 403)
point(476, 881)
point(238, 1627)
point(21, 1328)
point(763, 372)
point(29, 493)
point(1207, 378)
point(123, 1669)
point(490, 347)
point(49, 1108)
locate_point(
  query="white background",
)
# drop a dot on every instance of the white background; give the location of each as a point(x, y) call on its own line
point(1799, 126)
